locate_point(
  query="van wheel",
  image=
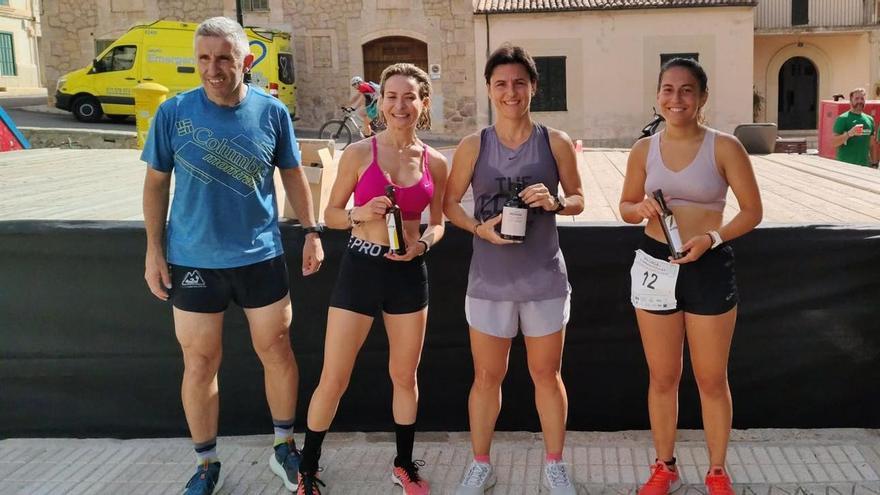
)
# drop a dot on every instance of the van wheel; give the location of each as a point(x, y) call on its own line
point(117, 118)
point(87, 109)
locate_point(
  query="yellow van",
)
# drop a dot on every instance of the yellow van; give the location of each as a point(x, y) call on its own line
point(162, 52)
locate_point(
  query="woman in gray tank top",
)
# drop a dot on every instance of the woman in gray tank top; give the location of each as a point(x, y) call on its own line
point(691, 294)
point(515, 286)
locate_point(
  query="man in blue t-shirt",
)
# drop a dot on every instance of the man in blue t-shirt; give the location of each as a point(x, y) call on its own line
point(223, 141)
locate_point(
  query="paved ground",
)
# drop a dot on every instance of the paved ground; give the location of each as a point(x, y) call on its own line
point(761, 462)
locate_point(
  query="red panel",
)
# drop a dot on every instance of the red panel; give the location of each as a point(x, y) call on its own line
point(8, 141)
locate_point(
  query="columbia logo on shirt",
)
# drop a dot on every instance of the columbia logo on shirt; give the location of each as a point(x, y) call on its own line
point(193, 279)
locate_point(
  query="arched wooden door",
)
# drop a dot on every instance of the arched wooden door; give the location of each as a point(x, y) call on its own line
point(798, 94)
point(382, 52)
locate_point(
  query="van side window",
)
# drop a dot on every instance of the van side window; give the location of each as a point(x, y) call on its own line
point(119, 58)
point(285, 68)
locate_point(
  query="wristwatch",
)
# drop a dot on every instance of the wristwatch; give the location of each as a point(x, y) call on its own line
point(560, 203)
point(716, 238)
point(314, 229)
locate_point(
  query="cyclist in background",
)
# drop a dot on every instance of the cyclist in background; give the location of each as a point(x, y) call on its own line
point(367, 95)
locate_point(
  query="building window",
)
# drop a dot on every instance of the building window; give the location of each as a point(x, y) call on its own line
point(7, 55)
point(800, 12)
point(101, 45)
point(550, 96)
point(254, 5)
point(666, 57)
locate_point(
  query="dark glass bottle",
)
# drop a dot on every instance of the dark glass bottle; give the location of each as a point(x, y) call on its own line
point(395, 224)
point(670, 226)
point(514, 215)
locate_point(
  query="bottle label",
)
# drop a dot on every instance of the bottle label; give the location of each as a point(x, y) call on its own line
point(392, 232)
point(513, 221)
point(672, 229)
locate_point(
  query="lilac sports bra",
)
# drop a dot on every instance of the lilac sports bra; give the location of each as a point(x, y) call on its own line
point(698, 184)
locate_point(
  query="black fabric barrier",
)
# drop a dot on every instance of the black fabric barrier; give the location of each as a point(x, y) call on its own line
point(86, 350)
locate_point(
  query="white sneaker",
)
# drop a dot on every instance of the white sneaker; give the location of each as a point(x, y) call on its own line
point(479, 477)
point(556, 479)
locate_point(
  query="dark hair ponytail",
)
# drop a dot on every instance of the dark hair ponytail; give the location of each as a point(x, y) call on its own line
point(692, 66)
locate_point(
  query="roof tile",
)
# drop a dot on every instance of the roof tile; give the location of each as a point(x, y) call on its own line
point(516, 6)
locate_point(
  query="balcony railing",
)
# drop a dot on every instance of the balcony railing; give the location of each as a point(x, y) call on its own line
point(786, 14)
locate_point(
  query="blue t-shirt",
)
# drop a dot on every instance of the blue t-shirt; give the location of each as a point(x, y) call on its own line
point(223, 213)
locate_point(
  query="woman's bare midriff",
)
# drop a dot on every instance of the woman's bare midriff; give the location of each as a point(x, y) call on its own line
point(376, 231)
point(692, 221)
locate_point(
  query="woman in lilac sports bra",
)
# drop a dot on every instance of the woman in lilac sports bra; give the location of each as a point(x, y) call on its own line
point(693, 165)
point(373, 281)
point(520, 287)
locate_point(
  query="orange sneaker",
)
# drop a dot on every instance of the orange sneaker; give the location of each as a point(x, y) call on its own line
point(718, 482)
point(407, 476)
point(662, 481)
point(308, 484)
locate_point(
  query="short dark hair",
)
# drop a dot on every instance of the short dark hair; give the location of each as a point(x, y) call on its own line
point(857, 90)
point(511, 54)
point(692, 66)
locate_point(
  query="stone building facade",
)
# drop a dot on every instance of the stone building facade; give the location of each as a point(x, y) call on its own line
point(333, 40)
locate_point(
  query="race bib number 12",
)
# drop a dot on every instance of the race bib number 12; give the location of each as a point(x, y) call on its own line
point(653, 283)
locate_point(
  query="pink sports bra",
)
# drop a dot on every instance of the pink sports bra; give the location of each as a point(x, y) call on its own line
point(412, 200)
point(698, 184)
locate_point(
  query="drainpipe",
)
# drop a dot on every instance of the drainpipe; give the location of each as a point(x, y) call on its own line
point(488, 52)
point(35, 45)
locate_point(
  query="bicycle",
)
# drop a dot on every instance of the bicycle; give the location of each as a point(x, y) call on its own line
point(342, 130)
point(651, 127)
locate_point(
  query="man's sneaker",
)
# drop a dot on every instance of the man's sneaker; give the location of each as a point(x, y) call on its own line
point(206, 481)
point(662, 481)
point(556, 479)
point(479, 477)
point(285, 463)
point(718, 482)
point(309, 484)
point(407, 476)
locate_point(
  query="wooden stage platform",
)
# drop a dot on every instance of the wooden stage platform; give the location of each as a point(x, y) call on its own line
point(57, 184)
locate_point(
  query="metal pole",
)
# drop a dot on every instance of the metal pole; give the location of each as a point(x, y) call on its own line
point(238, 16)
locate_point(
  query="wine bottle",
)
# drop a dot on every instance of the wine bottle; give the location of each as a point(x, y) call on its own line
point(670, 226)
point(514, 215)
point(395, 224)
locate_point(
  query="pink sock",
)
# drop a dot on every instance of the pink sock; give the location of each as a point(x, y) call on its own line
point(482, 458)
point(553, 457)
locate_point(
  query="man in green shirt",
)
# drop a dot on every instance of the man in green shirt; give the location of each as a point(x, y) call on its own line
point(853, 131)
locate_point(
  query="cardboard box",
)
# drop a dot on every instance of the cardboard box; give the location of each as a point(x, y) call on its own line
point(319, 162)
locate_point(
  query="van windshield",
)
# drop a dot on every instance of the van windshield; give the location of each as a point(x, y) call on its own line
point(285, 68)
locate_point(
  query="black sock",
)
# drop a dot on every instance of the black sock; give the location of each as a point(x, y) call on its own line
point(311, 451)
point(670, 464)
point(405, 436)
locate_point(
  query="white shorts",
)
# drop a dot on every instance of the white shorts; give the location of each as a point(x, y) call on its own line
point(505, 318)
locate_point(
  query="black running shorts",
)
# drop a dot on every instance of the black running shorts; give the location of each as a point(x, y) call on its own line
point(368, 282)
point(704, 287)
point(209, 290)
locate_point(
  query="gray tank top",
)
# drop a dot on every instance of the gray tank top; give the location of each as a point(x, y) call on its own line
point(531, 271)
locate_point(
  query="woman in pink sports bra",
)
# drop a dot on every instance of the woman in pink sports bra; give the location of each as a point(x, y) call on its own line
point(694, 296)
point(374, 281)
